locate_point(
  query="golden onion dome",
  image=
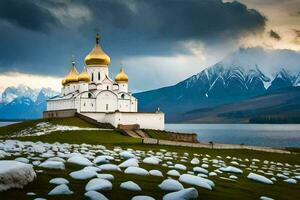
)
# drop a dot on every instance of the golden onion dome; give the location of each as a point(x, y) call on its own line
point(84, 76)
point(72, 77)
point(121, 77)
point(63, 82)
point(97, 56)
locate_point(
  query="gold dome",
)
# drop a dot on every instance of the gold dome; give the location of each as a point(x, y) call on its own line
point(72, 77)
point(63, 82)
point(121, 77)
point(97, 56)
point(84, 76)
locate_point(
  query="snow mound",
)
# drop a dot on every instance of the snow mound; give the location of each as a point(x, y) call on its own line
point(259, 178)
point(98, 184)
point(195, 161)
point(290, 180)
point(106, 176)
point(22, 159)
point(180, 167)
point(132, 162)
point(171, 185)
point(196, 180)
point(130, 185)
point(265, 198)
point(61, 190)
point(155, 172)
point(83, 174)
point(59, 181)
point(92, 168)
point(200, 170)
point(110, 167)
point(14, 174)
point(142, 197)
point(3, 154)
point(231, 169)
point(173, 172)
point(185, 194)
point(52, 165)
point(151, 160)
point(79, 160)
point(136, 171)
point(93, 195)
point(102, 159)
point(127, 154)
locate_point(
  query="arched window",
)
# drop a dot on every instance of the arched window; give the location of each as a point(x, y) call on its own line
point(107, 87)
point(106, 106)
point(90, 95)
point(123, 96)
point(99, 76)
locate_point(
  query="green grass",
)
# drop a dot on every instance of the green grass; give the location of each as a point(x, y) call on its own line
point(242, 189)
point(162, 135)
point(108, 137)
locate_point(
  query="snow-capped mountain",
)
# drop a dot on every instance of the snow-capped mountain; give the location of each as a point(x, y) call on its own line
point(10, 93)
point(231, 80)
point(22, 102)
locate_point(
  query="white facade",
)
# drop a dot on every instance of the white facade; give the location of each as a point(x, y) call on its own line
point(99, 97)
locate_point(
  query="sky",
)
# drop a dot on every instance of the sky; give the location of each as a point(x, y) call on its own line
point(158, 42)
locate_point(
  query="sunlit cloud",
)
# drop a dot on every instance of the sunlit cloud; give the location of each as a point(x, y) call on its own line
point(33, 81)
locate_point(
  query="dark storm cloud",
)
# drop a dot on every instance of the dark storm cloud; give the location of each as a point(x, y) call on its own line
point(26, 14)
point(274, 35)
point(129, 28)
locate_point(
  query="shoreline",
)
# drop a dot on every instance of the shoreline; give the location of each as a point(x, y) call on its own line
point(153, 141)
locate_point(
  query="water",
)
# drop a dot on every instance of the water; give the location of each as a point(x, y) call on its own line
point(6, 123)
point(272, 135)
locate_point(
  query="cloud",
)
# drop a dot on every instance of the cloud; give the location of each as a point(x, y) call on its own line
point(33, 81)
point(27, 14)
point(297, 36)
point(274, 35)
point(129, 30)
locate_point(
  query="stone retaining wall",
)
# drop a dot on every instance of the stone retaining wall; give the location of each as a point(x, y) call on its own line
point(59, 113)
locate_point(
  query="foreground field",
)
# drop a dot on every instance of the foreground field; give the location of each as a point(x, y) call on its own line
point(238, 186)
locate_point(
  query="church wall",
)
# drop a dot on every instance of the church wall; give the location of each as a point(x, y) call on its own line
point(61, 104)
point(87, 105)
point(145, 120)
point(97, 73)
point(106, 101)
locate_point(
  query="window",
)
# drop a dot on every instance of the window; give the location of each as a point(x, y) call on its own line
point(92, 76)
point(90, 95)
point(123, 96)
point(107, 87)
point(106, 106)
point(84, 104)
point(92, 104)
point(99, 76)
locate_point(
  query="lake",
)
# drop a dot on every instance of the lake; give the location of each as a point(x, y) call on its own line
point(272, 135)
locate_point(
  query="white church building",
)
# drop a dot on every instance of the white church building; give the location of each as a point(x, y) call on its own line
point(94, 94)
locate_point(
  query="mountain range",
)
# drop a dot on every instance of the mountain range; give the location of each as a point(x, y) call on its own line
point(235, 79)
point(22, 102)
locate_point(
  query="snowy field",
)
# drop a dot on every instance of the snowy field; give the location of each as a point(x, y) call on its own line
point(96, 169)
point(44, 128)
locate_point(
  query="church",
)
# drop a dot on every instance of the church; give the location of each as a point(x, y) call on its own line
point(94, 94)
